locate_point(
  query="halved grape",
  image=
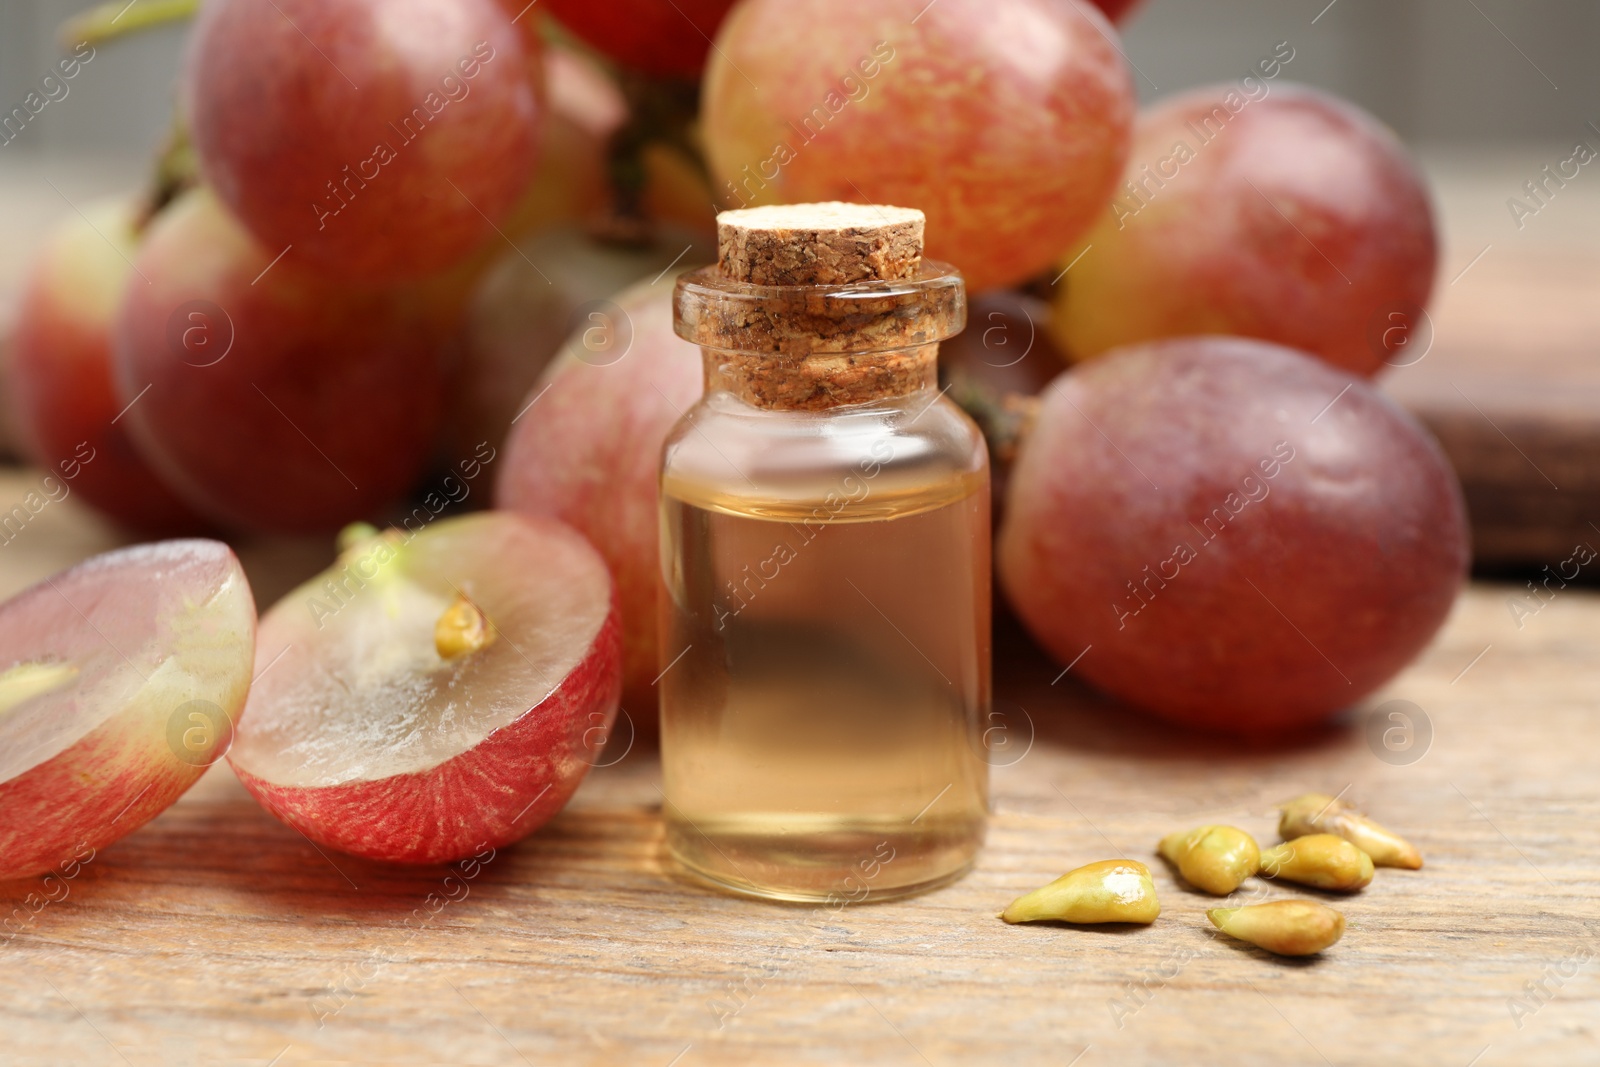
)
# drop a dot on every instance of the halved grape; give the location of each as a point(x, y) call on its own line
point(122, 680)
point(434, 693)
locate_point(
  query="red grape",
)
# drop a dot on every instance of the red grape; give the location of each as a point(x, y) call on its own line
point(663, 38)
point(583, 109)
point(124, 677)
point(65, 404)
point(1005, 351)
point(570, 184)
point(440, 692)
point(522, 314)
point(1231, 534)
point(275, 400)
point(588, 452)
point(380, 138)
point(1005, 121)
point(1294, 217)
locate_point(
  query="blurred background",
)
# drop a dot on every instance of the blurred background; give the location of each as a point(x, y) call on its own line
point(1485, 92)
point(1441, 72)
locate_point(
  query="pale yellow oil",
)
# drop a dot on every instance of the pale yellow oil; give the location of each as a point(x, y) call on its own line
point(826, 679)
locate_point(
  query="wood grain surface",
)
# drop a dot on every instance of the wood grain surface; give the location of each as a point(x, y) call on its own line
point(216, 935)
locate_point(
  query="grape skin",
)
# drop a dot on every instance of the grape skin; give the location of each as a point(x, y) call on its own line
point(1006, 122)
point(1227, 561)
point(269, 399)
point(383, 139)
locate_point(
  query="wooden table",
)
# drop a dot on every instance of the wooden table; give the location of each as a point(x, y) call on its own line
point(216, 935)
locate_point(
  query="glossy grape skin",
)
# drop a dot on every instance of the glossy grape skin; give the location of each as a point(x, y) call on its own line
point(1006, 121)
point(59, 375)
point(662, 38)
point(276, 401)
point(283, 96)
point(583, 107)
point(1303, 223)
point(1314, 587)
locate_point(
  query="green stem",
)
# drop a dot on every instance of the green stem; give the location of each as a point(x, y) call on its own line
point(109, 21)
point(177, 171)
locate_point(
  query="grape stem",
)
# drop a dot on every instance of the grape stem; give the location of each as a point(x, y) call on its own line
point(177, 171)
point(659, 112)
point(110, 21)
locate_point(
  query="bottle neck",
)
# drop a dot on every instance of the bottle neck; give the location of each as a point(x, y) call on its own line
point(820, 380)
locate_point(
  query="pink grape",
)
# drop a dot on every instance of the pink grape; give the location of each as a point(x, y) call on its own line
point(1294, 217)
point(269, 398)
point(59, 376)
point(121, 683)
point(1005, 121)
point(662, 38)
point(382, 139)
point(1230, 534)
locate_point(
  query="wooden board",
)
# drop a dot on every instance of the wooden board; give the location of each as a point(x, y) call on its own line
point(216, 935)
point(1511, 383)
point(1511, 388)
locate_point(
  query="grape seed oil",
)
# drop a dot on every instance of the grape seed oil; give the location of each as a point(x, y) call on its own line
point(825, 605)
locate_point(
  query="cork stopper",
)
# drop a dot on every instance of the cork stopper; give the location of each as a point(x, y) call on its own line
point(812, 306)
point(819, 244)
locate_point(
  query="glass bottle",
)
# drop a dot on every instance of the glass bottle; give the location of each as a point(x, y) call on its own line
point(825, 557)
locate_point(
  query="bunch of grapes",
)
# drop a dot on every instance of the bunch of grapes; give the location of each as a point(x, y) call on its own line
point(286, 331)
point(378, 219)
point(391, 242)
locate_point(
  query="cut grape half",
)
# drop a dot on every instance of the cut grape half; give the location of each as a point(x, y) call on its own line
point(120, 683)
point(437, 692)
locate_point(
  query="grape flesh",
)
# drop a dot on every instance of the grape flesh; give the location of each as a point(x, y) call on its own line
point(120, 684)
point(368, 735)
